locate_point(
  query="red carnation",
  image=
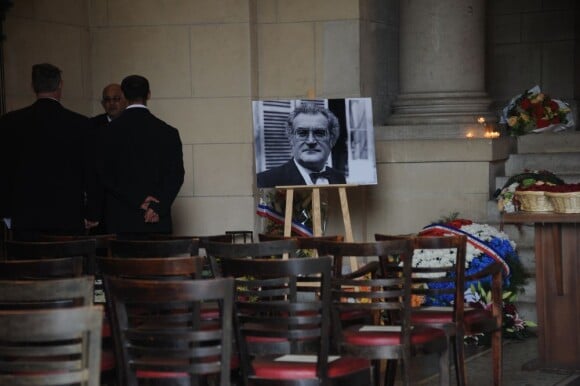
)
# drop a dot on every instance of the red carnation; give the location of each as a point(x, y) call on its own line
point(542, 123)
point(554, 106)
point(526, 104)
point(538, 111)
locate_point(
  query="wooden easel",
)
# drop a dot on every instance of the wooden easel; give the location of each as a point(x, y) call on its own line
point(316, 211)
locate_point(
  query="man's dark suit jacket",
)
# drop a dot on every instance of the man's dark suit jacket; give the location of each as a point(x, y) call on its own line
point(140, 156)
point(100, 120)
point(288, 174)
point(99, 123)
point(45, 168)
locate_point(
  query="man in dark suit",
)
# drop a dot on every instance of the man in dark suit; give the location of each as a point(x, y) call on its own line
point(47, 187)
point(141, 166)
point(113, 102)
point(312, 131)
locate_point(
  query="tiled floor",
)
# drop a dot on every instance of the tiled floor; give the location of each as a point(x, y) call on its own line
point(516, 354)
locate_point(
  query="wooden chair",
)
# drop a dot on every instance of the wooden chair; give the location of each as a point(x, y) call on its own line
point(42, 294)
point(101, 249)
point(216, 251)
point(278, 319)
point(101, 240)
point(392, 336)
point(162, 334)
point(456, 320)
point(28, 250)
point(41, 269)
point(53, 283)
point(154, 268)
point(154, 248)
point(51, 346)
point(64, 258)
point(225, 238)
point(306, 244)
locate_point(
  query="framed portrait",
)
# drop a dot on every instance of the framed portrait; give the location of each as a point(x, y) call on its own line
point(314, 142)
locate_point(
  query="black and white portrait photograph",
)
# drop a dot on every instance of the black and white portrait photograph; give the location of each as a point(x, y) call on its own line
point(314, 142)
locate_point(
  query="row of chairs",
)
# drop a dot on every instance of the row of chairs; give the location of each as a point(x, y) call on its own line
point(452, 323)
point(49, 266)
point(353, 340)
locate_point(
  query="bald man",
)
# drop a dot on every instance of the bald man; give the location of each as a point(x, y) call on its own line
point(113, 102)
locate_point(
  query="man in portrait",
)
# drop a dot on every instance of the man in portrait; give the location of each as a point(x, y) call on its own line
point(312, 132)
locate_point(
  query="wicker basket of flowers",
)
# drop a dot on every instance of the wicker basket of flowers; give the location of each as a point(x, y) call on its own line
point(565, 198)
point(534, 201)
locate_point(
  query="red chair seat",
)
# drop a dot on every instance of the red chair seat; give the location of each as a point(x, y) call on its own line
point(234, 364)
point(106, 330)
point(470, 316)
point(264, 339)
point(354, 315)
point(271, 369)
point(160, 374)
point(419, 335)
point(108, 360)
point(210, 314)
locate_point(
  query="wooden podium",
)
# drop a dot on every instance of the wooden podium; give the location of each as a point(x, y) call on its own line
point(557, 252)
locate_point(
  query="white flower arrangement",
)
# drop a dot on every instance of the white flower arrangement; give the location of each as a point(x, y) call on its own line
point(432, 258)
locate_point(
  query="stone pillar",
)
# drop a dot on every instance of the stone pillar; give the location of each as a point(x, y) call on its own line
point(442, 70)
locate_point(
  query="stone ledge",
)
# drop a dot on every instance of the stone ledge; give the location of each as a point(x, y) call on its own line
point(443, 150)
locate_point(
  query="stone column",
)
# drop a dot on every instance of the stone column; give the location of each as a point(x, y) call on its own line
point(442, 70)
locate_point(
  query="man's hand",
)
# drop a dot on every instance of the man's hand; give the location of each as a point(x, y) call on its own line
point(151, 216)
point(90, 224)
point(148, 199)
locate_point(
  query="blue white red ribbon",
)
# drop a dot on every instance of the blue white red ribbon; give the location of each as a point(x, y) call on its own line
point(476, 242)
point(272, 215)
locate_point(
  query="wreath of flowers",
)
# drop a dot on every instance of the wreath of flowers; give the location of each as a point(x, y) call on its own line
point(534, 111)
point(486, 245)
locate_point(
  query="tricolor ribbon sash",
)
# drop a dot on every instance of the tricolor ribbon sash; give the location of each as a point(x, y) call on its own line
point(441, 230)
point(272, 215)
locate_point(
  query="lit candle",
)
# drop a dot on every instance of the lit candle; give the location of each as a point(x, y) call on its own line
point(491, 134)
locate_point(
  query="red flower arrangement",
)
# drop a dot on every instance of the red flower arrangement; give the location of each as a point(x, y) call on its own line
point(534, 111)
point(564, 188)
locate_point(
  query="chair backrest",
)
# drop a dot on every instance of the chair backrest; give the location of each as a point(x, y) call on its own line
point(101, 240)
point(52, 293)
point(51, 347)
point(27, 250)
point(154, 248)
point(216, 251)
point(440, 279)
point(152, 267)
point(41, 268)
point(365, 292)
point(225, 238)
point(438, 269)
point(365, 255)
point(273, 315)
point(303, 242)
point(161, 331)
point(271, 237)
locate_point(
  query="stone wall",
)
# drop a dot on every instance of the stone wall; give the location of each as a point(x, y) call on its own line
point(208, 59)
